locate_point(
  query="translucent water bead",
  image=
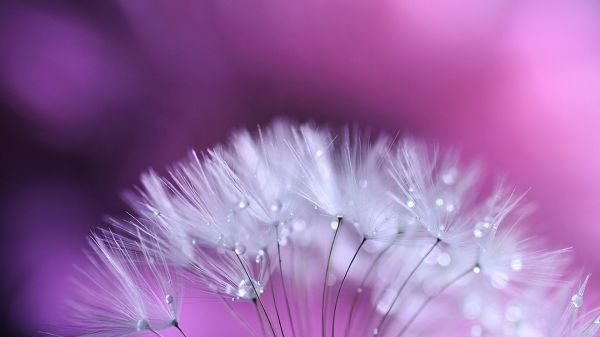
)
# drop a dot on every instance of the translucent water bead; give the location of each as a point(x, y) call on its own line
point(577, 300)
point(240, 249)
point(142, 325)
point(246, 288)
point(482, 228)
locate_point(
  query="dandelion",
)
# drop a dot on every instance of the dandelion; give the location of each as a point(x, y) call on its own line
point(395, 232)
point(127, 290)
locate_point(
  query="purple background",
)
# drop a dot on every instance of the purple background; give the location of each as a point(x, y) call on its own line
point(92, 93)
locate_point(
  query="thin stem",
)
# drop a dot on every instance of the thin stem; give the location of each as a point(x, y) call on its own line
point(285, 293)
point(260, 319)
point(323, 302)
point(239, 318)
point(257, 294)
point(412, 273)
point(432, 297)
point(274, 299)
point(178, 327)
point(337, 296)
point(355, 298)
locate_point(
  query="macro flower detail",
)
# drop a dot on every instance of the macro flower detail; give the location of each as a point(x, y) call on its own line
point(328, 232)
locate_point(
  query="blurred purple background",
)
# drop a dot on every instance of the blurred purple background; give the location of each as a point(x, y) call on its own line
point(92, 93)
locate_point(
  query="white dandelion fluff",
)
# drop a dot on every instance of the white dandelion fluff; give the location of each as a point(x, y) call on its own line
point(329, 232)
point(126, 290)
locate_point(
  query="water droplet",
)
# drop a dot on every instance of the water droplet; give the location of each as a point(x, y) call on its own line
point(450, 208)
point(597, 320)
point(243, 204)
point(482, 228)
point(276, 206)
point(142, 325)
point(449, 177)
point(240, 249)
point(439, 202)
point(319, 153)
point(359, 290)
point(410, 204)
point(260, 256)
point(334, 224)
point(246, 291)
point(169, 298)
point(516, 264)
point(299, 225)
point(477, 269)
point(577, 300)
point(194, 242)
point(375, 332)
point(156, 212)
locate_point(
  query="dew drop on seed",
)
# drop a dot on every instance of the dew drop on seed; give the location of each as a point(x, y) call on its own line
point(240, 249)
point(516, 264)
point(410, 204)
point(334, 224)
point(439, 202)
point(577, 300)
point(243, 204)
point(449, 177)
point(299, 225)
point(142, 325)
point(246, 289)
point(169, 298)
point(260, 256)
point(482, 228)
point(276, 206)
point(476, 269)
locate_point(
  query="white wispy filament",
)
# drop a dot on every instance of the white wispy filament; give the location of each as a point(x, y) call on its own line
point(329, 233)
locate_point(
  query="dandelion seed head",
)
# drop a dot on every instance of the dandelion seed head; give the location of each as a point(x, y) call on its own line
point(261, 211)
